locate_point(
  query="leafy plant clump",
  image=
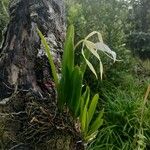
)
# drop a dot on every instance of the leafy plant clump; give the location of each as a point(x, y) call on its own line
point(70, 85)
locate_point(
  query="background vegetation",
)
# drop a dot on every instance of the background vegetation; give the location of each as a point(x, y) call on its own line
point(125, 27)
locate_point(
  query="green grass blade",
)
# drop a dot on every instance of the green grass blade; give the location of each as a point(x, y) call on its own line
point(50, 58)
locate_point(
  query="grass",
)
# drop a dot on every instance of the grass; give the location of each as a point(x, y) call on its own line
point(126, 118)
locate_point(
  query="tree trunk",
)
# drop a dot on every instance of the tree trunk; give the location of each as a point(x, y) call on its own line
point(29, 118)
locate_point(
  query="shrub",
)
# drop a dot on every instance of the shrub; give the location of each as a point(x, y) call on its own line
point(139, 43)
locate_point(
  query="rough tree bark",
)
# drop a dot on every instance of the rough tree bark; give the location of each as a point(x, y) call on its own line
point(21, 48)
point(29, 117)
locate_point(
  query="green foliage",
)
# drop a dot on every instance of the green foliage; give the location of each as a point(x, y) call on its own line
point(122, 129)
point(77, 77)
point(89, 128)
point(121, 22)
point(69, 88)
point(139, 33)
point(51, 62)
point(70, 85)
point(139, 43)
point(72, 76)
point(126, 123)
point(107, 16)
point(110, 18)
point(68, 56)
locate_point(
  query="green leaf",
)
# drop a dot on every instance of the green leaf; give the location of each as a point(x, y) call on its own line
point(65, 89)
point(96, 124)
point(83, 107)
point(61, 94)
point(68, 55)
point(50, 58)
point(86, 125)
point(83, 119)
point(86, 96)
point(84, 101)
point(92, 107)
point(77, 78)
